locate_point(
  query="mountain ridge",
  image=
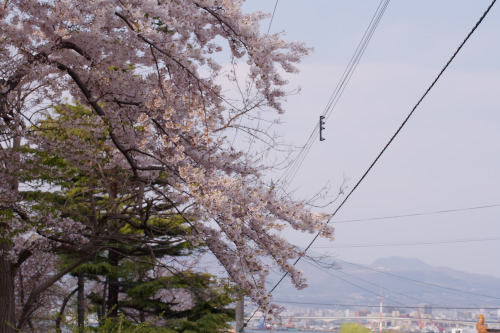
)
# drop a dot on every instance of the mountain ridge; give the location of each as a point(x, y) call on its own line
point(403, 281)
point(401, 263)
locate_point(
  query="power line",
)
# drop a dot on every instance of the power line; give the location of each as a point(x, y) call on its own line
point(295, 166)
point(398, 130)
point(449, 289)
point(418, 214)
point(371, 28)
point(417, 281)
point(399, 307)
point(385, 288)
point(402, 125)
point(272, 17)
point(392, 138)
point(357, 286)
point(292, 170)
point(341, 86)
point(470, 240)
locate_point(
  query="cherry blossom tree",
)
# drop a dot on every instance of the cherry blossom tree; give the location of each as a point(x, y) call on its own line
point(149, 72)
point(136, 248)
point(30, 274)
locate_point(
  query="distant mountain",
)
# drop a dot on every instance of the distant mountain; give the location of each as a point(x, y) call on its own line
point(407, 281)
point(400, 263)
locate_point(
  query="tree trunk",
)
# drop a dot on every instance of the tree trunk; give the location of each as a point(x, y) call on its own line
point(30, 325)
point(7, 271)
point(81, 302)
point(7, 297)
point(103, 309)
point(113, 287)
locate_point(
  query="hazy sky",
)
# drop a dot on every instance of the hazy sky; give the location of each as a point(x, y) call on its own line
point(447, 157)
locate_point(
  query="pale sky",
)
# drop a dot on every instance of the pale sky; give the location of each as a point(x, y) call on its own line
point(447, 157)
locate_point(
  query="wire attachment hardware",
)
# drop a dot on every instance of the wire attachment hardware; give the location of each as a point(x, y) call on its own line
point(321, 128)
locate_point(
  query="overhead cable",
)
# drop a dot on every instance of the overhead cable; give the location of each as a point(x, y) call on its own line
point(393, 137)
point(381, 287)
point(451, 241)
point(400, 277)
point(417, 281)
point(398, 307)
point(272, 17)
point(395, 134)
point(358, 286)
point(417, 214)
point(289, 174)
point(292, 170)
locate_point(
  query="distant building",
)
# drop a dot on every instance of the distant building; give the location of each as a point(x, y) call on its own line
point(362, 313)
point(388, 309)
point(425, 309)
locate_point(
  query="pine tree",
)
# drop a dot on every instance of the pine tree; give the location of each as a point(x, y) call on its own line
point(129, 266)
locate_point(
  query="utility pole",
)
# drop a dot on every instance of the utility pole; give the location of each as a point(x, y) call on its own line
point(380, 322)
point(240, 314)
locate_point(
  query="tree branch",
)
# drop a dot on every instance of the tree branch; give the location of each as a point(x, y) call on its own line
point(63, 306)
point(72, 46)
point(35, 293)
point(97, 108)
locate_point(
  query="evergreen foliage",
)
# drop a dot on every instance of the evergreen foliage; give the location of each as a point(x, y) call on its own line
point(130, 275)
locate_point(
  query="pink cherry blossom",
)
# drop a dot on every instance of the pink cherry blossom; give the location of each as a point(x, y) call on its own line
point(148, 71)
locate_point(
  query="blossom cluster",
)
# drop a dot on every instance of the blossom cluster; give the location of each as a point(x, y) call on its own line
point(147, 71)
